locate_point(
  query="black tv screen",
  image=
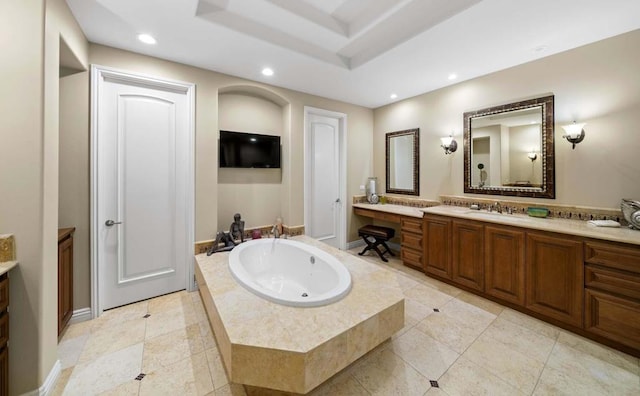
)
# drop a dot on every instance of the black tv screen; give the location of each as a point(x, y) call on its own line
point(249, 150)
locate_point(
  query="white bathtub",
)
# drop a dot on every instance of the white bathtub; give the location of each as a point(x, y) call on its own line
point(289, 272)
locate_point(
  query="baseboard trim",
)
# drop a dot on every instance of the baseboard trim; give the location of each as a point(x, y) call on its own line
point(49, 383)
point(355, 244)
point(80, 315)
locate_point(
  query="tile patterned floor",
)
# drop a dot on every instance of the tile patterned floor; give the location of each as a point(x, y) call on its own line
point(472, 346)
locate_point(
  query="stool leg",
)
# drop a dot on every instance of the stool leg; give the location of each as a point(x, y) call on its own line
point(387, 247)
point(368, 247)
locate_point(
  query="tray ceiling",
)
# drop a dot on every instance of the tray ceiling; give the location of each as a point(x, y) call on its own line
point(357, 51)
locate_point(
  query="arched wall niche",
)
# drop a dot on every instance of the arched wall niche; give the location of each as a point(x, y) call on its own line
point(259, 195)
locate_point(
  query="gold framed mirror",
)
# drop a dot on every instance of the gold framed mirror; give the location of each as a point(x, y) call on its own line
point(403, 162)
point(509, 149)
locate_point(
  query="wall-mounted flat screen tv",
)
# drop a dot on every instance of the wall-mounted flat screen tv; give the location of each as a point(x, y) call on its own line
point(249, 150)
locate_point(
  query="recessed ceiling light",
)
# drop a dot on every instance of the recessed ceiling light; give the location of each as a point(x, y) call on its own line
point(267, 71)
point(393, 96)
point(146, 38)
point(453, 76)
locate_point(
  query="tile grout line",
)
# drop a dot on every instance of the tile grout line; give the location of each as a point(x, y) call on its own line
point(545, 365)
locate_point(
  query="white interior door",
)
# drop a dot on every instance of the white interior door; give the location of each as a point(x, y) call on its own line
point(142, 178)
point(324, 179)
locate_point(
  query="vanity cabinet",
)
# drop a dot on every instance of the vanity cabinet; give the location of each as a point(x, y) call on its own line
point(555, 277)
point(411, 242)
point(65, 277)
point(467, 265)
point(612, 294)
point(504, 269)
point(4, 335)
point(437, 246)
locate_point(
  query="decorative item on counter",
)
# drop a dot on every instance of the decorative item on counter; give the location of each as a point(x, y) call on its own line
point(256, 234)
point(631, 211)
point(474, 207)
point(537, 212)
point(604, 223)
point(373, 199)
point(221, 238)
point(7, 248)
point(371, 189)
point(383, 200)
point(236, 229)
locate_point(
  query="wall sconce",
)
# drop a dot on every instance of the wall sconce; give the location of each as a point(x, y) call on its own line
point(532, 155)
point(449, 144)
point(574, 133)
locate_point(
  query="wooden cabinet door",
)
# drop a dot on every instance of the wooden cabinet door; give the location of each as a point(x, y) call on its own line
point(555, 277)
point(467, 267)
point(437, 246)
point(4, 370)
point(504, 263)
point(65, 282)
point(613, 317)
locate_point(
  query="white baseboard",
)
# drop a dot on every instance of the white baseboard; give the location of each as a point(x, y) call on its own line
point(80, 315)
point(49, 382)
point(355, 244)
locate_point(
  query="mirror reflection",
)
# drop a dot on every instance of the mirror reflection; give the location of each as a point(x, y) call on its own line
point(402, 162)
point(509, 149)
point(505, 149)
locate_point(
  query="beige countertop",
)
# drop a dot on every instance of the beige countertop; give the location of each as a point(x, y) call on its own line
point(392, 208)
point(564, 226)
point(7, 266)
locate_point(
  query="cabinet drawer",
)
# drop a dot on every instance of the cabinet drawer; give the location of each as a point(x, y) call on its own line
point(390, 217)
point(411, 225)
point(411, 240)
point(364, 212)
point(4, 328)
point(613, 317)
point(624, 283)
point(615, 256)
point(411, 257)
point(4, 292)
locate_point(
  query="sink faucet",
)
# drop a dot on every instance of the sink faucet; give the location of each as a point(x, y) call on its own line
point(496, 206)
point(275, 232)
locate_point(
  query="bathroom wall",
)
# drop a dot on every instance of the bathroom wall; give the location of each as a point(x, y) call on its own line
point(255, 193)
point(214, 191)
point(597, 84)
point(31, 32)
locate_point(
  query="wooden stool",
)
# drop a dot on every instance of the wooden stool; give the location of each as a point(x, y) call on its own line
point(380, 235)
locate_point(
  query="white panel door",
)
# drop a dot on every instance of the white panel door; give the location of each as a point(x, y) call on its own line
point(142, 179)
point(324, 172)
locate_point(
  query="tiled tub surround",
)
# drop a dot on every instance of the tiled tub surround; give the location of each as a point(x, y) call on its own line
point(559, 225)
point(570, 212)
point(289, 231)
point(292, 349)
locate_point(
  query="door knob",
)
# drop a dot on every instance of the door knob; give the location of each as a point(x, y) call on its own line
point(110, 223)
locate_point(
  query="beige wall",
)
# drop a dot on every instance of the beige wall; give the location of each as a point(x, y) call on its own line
point(74, 178)
point(255, 193)
point(597, 84)
point(31, 31)
point(214, 210)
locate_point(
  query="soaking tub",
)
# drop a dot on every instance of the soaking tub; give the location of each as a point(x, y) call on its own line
point(289, 272)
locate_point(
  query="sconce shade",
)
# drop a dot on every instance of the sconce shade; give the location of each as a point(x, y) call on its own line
point(449, 144)
point(574, 133)
point(574, 130)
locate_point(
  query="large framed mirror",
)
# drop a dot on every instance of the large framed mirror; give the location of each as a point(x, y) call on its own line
point(403, 162)
point(509, 149)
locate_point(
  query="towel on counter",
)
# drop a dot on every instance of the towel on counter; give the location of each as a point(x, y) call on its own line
point(604, 223)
